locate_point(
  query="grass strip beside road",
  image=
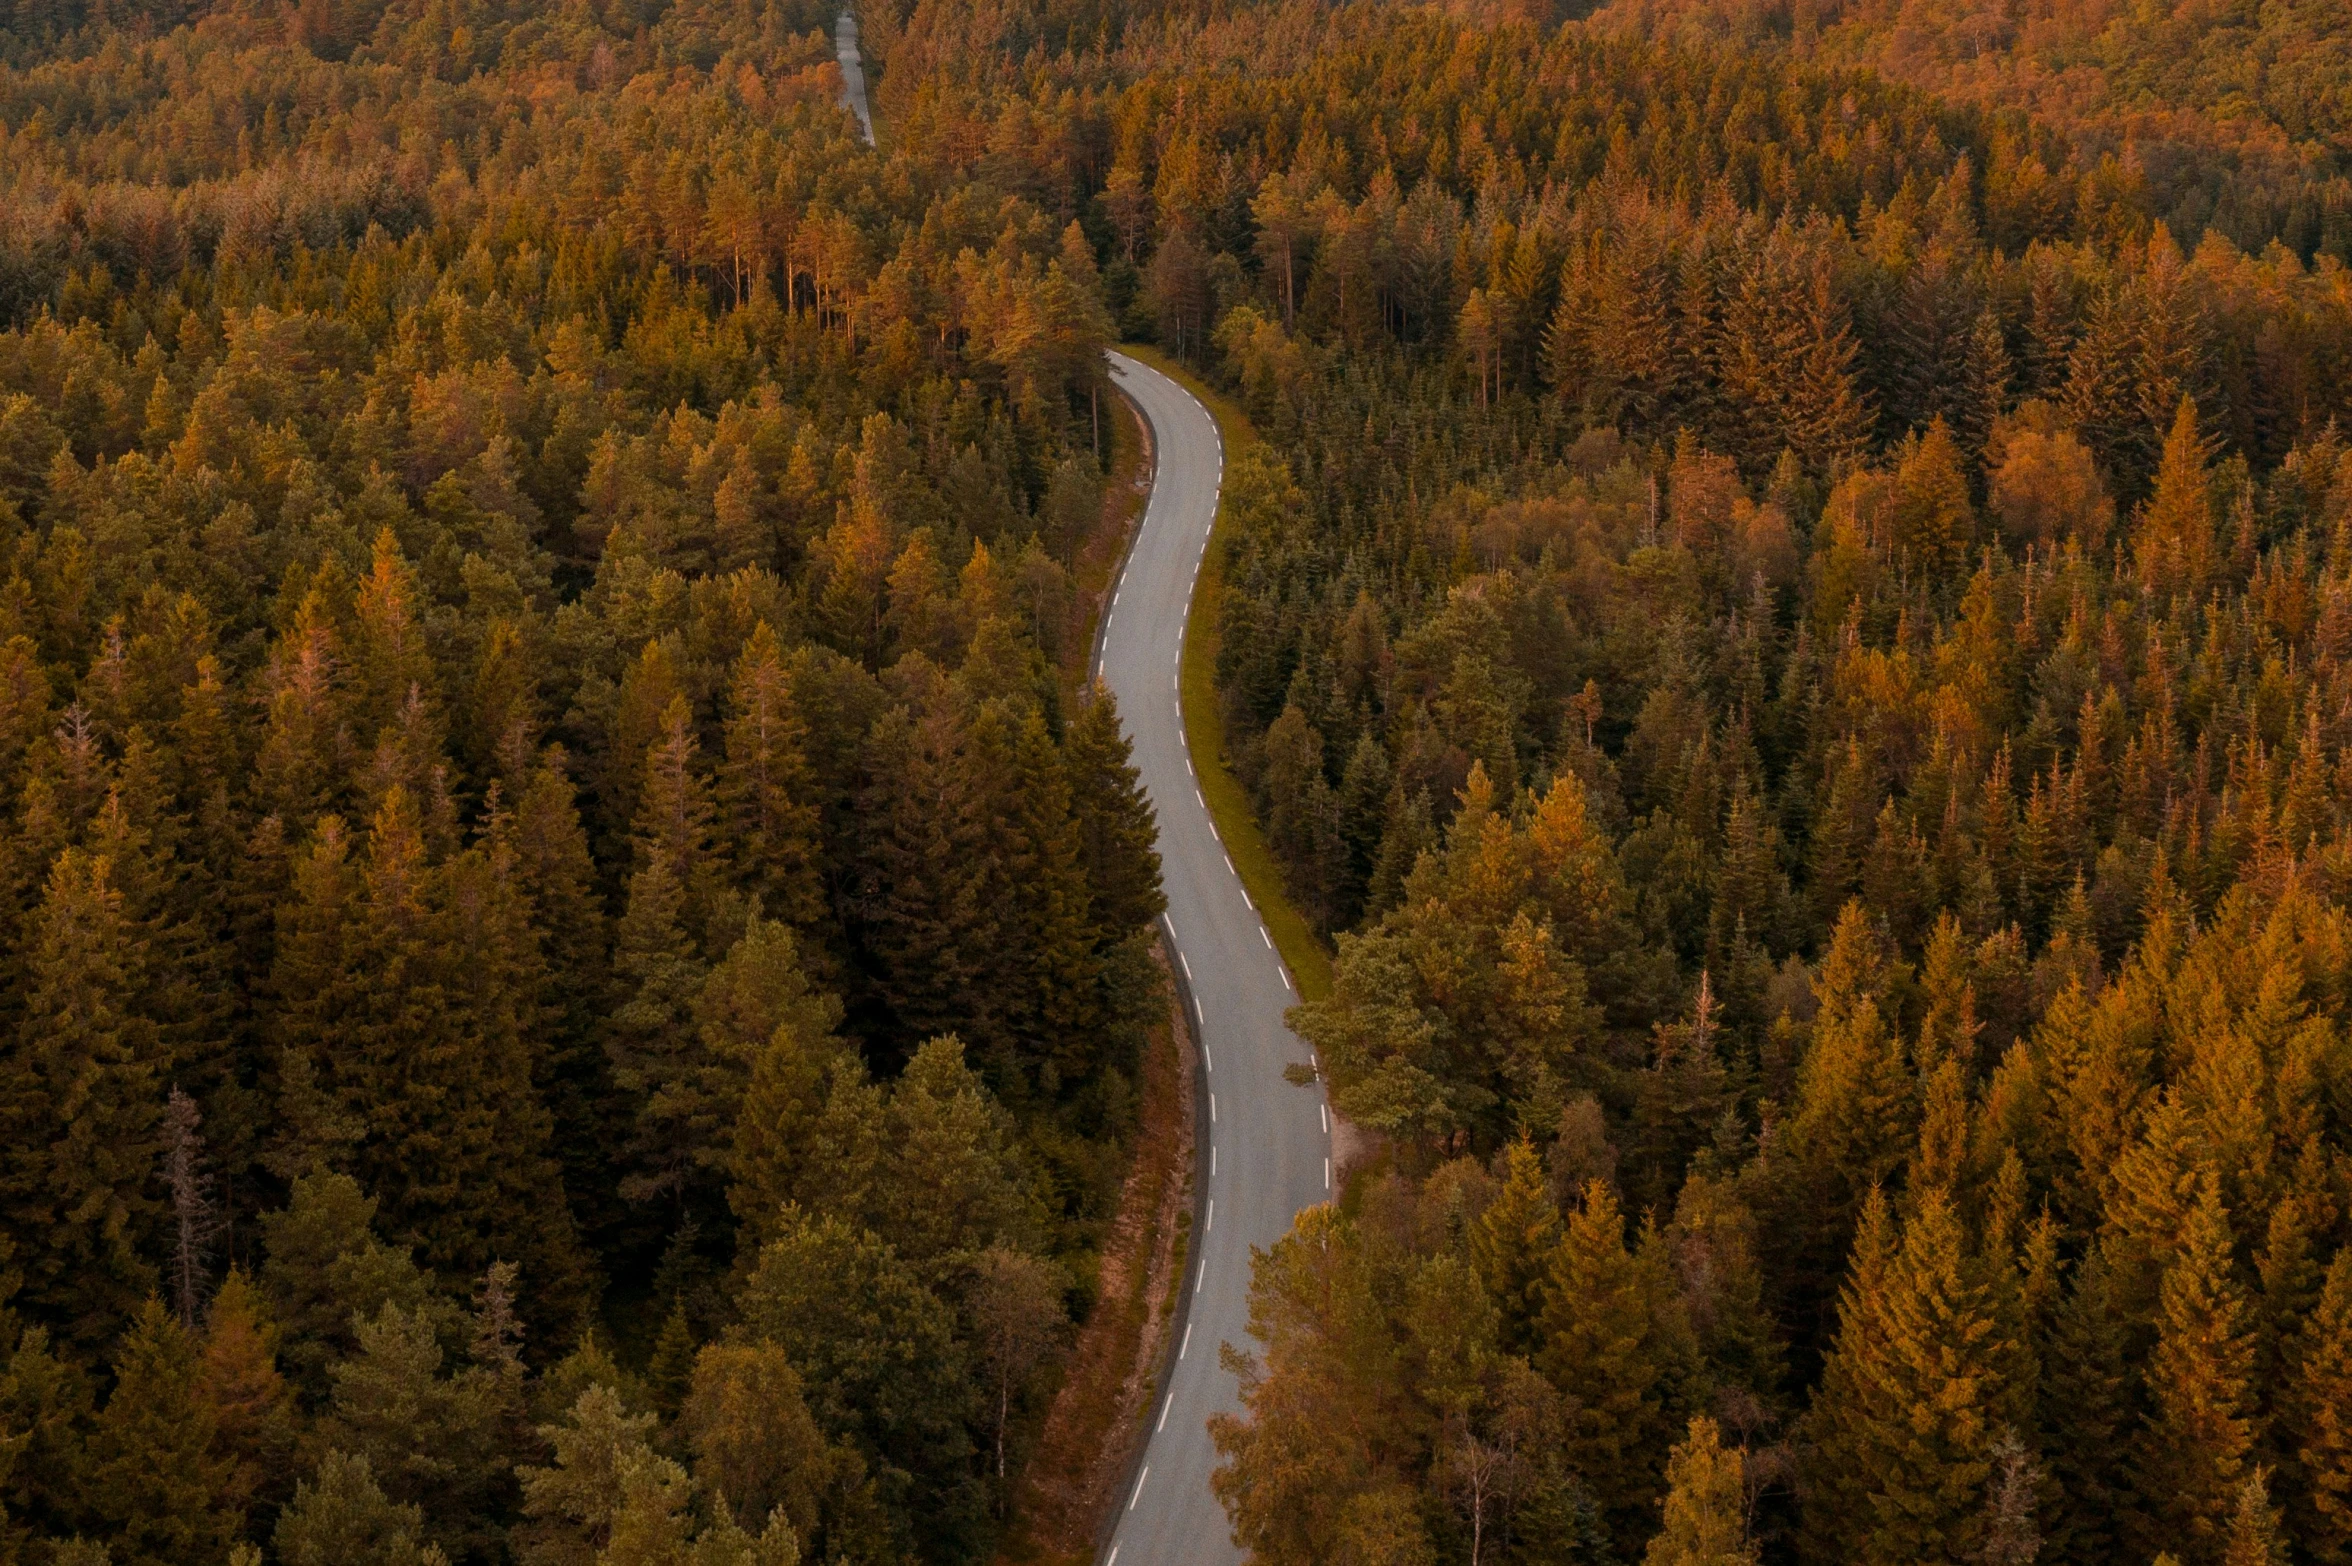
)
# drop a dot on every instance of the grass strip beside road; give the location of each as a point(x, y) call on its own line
point(1204, 732)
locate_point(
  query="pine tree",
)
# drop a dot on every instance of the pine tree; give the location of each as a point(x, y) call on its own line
point(1855, 1119)
point(1117, 833)
point(556, 875)
point(658, 963)
point(153, 1477)
point(765, 794)
point(1679, 1101)
point(2195, 1451)
point(392, 705)
point(426, 1070)
point(303, 760)
point(674, 824)
point(785, 1079)
point(2173, 546)
point(437, 1441)
point(2254, 1538)
point(326, 1268)
point(1929, 513)
point(312, 989)
point(925, 904)
point(2321, 1495)
point(1706, 1503)
point(79, 1111)
point(1615, 1344)
point(650, 684)
point(1903, 1421)
point(342, 1517)
point(250, 1407)
point(1513, 1242)
point(672, 1364)
point(1715, 1247)
point(1056, 1013)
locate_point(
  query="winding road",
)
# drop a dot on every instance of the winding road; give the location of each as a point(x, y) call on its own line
point(1264, 1142)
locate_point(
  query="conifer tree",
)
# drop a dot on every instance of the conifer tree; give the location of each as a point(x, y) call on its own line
point(434, 1440)
point(672, 1363)
point(154, 1478)
point(1058, 1020)
point(303, 760)
point(312, 987)
point(2195, 1451)
point(2254, 1537)
point(341, 1517)
point(325, 1267)
point(1715, 1248)
point(1903, 1421)
point(925, 902)
point(249, 1405)
point(79, 1111)
point(765, 793)
point(659, 964)
point(1680, 1099)
point(391, 702)
point(1615, 1343)
point(1706, 1503)
point(2322, 1425)
point(675, 823)
point(785, 1081)
point(1116, 830)
point(2172, 539)
point(1513, 1242)
point(1855, 1117)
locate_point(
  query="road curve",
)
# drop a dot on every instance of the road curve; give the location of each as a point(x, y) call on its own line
point(853, 74)
point(1265, 1144)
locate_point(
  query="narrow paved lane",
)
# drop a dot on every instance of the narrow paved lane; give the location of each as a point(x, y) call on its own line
point(1266, 1144)
point(853, 74)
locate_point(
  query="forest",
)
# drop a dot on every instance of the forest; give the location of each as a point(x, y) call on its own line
point(539, 628)
point(577, 946)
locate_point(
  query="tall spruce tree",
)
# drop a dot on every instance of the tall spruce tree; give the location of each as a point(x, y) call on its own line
point(154, 1478)
point(2321, 1493)
point(765, 793)
point(1614, 1341)
point(2201, 1436)
point(1904, 1421)
point(81, 1102)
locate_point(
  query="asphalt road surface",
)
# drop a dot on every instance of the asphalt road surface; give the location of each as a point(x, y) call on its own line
point(853, 74)
point(1265, 1147)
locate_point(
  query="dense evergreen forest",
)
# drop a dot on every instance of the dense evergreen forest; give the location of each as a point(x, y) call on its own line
point(572, 963)
point(575, 955)
point(1794, 630)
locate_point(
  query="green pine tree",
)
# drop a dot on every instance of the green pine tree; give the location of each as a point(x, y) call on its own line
point(80, 1107)
point(1615, 1343)
point(154, 1479)
point(765, 794)
point(341, 1517)
point(1512, 1245)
